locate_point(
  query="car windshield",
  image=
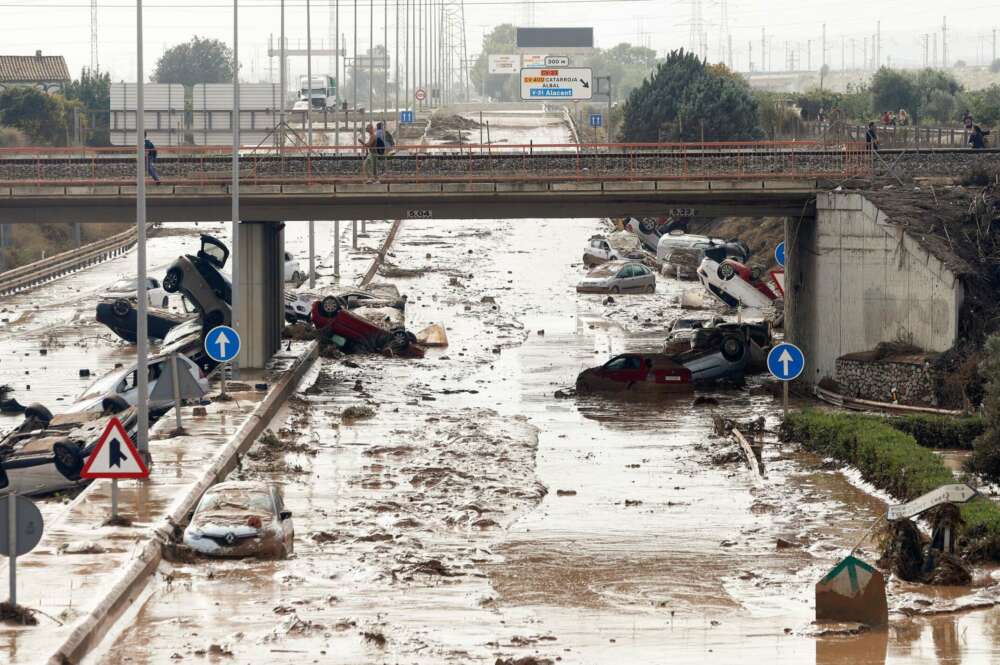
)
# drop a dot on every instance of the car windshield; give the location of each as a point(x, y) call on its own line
point(106, 384)
point(249, 500)
point(624, 362)
point(123, 286)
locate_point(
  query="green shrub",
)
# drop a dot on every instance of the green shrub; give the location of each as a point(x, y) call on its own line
point(940, 432)
point(893, 461)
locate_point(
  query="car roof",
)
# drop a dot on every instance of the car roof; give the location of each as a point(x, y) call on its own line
point(235, 485)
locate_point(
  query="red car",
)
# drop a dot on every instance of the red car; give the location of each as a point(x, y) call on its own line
point(729, 267)
point(331, 316)
point(645, 372)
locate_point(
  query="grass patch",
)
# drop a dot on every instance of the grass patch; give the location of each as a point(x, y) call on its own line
point(941, 432)
point(893, 461)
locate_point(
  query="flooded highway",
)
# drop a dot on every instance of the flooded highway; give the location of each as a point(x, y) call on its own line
point(468, 508)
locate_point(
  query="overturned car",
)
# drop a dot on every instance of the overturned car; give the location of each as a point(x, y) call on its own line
point(122, 317)
point(46, 453)
point(723, 351)
point(736, 284)
point(365, 329)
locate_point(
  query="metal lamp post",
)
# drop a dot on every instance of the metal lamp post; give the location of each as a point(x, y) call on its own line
point(142, 323)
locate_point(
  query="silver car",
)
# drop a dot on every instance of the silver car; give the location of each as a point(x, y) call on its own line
point(618, 277)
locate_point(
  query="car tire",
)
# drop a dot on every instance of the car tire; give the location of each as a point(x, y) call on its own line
point(647, 226)
point(615, 290)
point(330, 306)
point(651, 289)
point(732, 348)
point(172, 280)
point(726, 271)
point(115, 404)
point(68, 459)
point(755, 274)
point(399, 339)
point(38, 412)
point(121, 307)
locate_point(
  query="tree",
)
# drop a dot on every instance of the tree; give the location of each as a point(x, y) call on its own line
point(197, 61)
point(893, 90)
point(686, 100)
point(93, 91)
point(44, 118)
point(627, 65)
point(984, 105)
point(499, 41)
point(364, 75)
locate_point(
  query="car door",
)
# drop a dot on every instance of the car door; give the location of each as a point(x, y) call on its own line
point(622, 279)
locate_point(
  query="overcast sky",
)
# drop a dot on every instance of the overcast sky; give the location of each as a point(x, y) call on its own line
point(63, 27)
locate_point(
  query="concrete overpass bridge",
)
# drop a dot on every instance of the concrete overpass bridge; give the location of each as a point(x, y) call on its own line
point(444, 181)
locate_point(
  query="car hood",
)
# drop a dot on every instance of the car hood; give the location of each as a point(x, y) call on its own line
point(595, 281)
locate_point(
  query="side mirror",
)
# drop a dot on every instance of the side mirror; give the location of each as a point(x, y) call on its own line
point(284, 515)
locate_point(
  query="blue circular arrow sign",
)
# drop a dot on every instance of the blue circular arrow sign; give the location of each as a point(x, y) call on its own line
point(786, 362)
point(779, 253)
point(222, 344)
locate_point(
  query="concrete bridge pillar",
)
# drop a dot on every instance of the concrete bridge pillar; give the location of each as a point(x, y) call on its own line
point(261, 270)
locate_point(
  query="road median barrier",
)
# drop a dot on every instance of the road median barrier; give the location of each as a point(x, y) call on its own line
point(128, 584)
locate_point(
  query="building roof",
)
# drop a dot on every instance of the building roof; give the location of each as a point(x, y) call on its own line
point(36, 68)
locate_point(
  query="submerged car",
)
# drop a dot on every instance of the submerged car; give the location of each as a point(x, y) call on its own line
point(639, 372)
point(370, 329)
point(128, 289)
point(725, 351)
point(735, 284)
point(618, 277)
point(46, 453)
point(683, 329)
point(122, 317)
point(241, 519)
point(118, 390)
point(201, 280)
point(734, 249)
point(616, 247)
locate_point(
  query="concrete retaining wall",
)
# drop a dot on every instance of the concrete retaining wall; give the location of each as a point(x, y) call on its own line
point(855, 280)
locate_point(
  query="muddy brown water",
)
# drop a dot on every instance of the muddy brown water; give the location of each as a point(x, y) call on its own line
point(427, 525)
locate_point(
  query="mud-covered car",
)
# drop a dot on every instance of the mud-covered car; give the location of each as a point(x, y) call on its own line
point(618, 277)
point(368, 329)
point(736, 284)
point(128, 289)
point(117, 390)
point(725, 351)
point(241, 519)
point(46, 453)
point(201, 280)
point(618, 246)
point(637, 372)
point(683, 329)
point(298, 305)
point(122, 317)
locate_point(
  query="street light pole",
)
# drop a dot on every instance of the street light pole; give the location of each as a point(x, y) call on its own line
point(142, 323)
point(309, 137)
point(396, 77)
point(235, 253)
point(281, 78)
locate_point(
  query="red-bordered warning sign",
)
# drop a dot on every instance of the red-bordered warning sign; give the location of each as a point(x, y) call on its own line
point(115, 456)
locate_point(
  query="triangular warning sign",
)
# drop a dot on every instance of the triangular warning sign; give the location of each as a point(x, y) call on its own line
point(115, 456)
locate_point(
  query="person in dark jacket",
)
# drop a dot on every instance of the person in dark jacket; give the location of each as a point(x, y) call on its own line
point(871, 137)
point(151, 159)
point(977, 139)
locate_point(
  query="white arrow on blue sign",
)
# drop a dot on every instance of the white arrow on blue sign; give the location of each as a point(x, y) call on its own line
point(779, 253)
point(222, 344)
point(596, 120)
point(406, 117)
point(786, 362)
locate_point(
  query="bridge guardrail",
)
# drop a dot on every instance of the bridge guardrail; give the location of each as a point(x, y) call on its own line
point(205, 165)
point(60, 264)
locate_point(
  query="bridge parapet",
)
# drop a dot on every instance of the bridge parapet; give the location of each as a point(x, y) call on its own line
point(199, 166)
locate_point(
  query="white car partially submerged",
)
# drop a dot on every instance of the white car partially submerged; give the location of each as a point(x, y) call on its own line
point(293, 273)
point(241, 519)
point(128, 289)
point(618, 246)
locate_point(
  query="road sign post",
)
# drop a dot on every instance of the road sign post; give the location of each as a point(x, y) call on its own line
point(420, 94)
point(21, 526)
point(786, 362)
point(222, 344)
point(955, 493)
point(114, 457)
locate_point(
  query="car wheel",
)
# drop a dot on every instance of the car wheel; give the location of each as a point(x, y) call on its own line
point(399, 339)
point(121, 307)
point(114, 404)
point(330, 306)
point(732, 348)
point(615, 290)
point(67, 459)
point(172, 280)
point(38, 412)
point(651, 289)
point(726, 271)
point(755, 274)
point(647, 226)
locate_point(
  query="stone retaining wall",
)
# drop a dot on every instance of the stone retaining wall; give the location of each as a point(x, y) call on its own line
point(913, 382)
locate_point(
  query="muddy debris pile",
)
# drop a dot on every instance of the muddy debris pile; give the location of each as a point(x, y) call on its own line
point(910, 556)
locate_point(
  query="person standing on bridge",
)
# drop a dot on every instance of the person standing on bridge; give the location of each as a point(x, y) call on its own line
point(977, 139)
point(370, 165)
point(151, 159)
point(871, 137)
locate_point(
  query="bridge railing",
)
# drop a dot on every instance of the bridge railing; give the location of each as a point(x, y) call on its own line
point(211, 165)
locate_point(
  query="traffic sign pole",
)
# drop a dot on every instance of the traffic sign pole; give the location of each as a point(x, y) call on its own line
point(12, 545)
point(784, 387)
point(114, 499)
